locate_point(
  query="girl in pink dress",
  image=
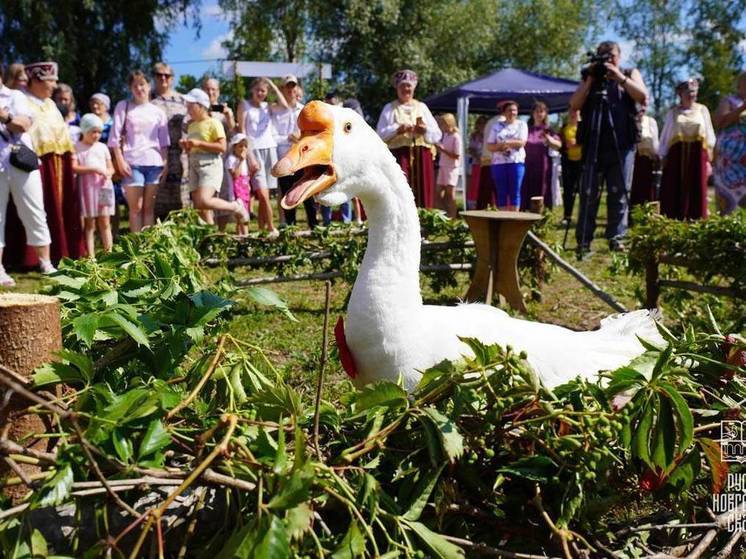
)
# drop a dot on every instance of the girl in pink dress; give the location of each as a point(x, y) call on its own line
point(449, 167)
point(93, 167)
point(238, 166)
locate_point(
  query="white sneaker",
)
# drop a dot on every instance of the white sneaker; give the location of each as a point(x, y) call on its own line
point(273, 234)
point(46, 267)
point(5, 279)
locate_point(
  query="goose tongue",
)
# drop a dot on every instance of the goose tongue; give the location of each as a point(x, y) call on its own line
point(313, 176)
point(294, 197)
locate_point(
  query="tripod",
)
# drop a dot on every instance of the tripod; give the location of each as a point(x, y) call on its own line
point(601, 112)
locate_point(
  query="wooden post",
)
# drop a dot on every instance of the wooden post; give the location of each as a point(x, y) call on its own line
point(536, 205)
point(652, 287)
point(30, 335)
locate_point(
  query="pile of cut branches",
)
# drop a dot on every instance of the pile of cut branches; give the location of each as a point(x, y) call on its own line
point(177, 439)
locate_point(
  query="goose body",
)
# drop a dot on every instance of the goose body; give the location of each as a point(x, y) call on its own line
point(388, 329)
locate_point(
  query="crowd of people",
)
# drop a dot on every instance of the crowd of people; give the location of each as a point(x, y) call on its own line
point(65, 169)
point(155, 151)
point(513, 161)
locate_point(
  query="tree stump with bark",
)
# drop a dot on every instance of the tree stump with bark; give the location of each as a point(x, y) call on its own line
point(30, 335)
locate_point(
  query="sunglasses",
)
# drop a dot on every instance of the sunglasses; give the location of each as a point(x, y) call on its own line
point(161, 75)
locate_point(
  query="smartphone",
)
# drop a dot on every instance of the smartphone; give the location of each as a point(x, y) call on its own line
point(219, 108)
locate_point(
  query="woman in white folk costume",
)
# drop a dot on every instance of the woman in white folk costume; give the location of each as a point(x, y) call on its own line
point(23, 187)
point(50, 137)
point(646, 160)
point(411, 132)
point(686, 146)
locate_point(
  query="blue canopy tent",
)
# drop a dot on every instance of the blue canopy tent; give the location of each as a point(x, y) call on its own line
point(509, 83)
point(482, 94)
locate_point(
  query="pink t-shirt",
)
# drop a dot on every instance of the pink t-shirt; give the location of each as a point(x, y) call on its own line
point(145, 132)
point(94, 202)
point(451, 142)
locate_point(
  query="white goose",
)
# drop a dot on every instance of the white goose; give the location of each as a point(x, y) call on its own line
point(388, 329)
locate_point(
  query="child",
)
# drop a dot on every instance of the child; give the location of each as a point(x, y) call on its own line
point(205, 144)
point(449, 168)
point(239, 165)
point(92, 163)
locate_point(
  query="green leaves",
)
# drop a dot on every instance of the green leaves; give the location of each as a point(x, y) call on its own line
point(156, 438)
point(55, 491)
point(130, 328)
point(449, 440)
point(264, 538)
point(269, 298)
point(352, 545)
point(381, 394)
point(535, 468)
point(294, 490)
point(422, 496)
point(436, 544)
point(74, 368)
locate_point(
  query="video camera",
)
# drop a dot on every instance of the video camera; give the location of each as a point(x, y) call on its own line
point(595, 65)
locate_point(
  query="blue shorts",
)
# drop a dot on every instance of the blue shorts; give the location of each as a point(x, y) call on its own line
point(142, 175)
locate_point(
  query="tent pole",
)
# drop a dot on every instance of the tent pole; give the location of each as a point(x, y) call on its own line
point(462, 108)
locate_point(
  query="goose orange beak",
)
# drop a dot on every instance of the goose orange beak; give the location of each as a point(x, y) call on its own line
point(312, 154)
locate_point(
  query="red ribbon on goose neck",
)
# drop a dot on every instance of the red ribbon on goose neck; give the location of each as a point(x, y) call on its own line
point(345, 355)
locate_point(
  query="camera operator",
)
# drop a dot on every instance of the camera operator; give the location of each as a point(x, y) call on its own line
point(624, 88)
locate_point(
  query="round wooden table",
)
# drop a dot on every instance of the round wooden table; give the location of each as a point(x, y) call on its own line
point(498, 236)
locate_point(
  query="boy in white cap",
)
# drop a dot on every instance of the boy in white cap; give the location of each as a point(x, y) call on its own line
point(92, 163)
point(205, 143)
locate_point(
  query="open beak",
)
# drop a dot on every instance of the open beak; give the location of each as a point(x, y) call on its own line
point(312, 154)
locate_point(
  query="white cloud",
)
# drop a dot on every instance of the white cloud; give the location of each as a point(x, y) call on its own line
point(212, 10)
point(215, 49)
point(627, 47)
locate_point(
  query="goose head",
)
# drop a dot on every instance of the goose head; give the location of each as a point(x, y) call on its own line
point(339, 155)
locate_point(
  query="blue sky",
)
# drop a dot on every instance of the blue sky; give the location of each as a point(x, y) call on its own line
point(189, 54)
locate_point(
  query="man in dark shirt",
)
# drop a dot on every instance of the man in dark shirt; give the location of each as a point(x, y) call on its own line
point(624, 89)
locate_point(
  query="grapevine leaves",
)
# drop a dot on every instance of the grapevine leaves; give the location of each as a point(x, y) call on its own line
point(437, 545)
point(55, 491)
point(264, 538)
point(269, 298)
point(381, 394)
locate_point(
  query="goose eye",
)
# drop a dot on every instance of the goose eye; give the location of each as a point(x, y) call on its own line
point(348, 127)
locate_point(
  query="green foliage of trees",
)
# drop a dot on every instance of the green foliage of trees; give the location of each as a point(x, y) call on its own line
point(717, 35)
point(674, 38)
point(95, 42)
point(187, 82)
point(656, 27)
point(445, 42)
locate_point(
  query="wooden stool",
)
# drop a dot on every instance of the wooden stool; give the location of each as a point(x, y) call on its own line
point(498, 236)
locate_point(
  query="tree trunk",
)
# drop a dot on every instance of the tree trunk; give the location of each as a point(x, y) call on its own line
point(30, 335)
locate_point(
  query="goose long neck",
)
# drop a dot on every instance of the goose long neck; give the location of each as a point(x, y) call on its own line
point(389, 274)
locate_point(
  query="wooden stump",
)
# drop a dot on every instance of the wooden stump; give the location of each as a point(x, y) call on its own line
point(30, 335)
